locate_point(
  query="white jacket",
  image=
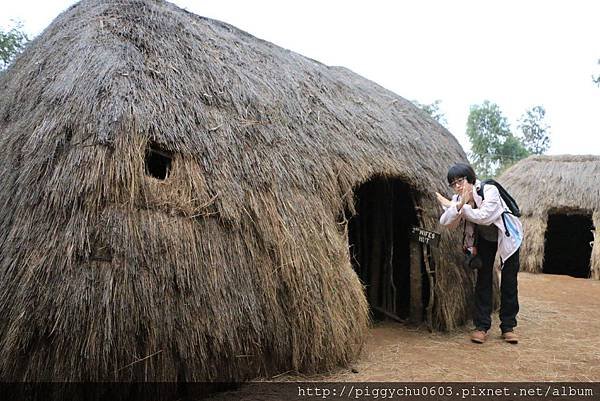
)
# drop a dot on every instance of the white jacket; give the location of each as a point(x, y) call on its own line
point(489, 211)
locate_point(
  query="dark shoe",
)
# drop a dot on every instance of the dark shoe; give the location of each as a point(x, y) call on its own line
point(510, 337)
point(479, 336)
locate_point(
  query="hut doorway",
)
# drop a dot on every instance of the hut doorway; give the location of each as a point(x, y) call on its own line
point(381, 252)
point(567, 247)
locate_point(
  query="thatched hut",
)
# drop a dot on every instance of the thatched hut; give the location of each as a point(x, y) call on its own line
point(175, 203)
point(559, 197)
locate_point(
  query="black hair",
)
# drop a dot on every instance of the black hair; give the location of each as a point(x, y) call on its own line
point(460, 170)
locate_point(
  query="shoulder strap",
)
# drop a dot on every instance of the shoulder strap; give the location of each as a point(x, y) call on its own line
point(502, 192)
point(475, 236)
point(482, 185)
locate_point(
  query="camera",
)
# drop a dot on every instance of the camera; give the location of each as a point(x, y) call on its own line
point(472, 262)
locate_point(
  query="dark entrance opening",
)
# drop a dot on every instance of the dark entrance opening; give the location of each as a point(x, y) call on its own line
point(380, 249)
point(157, 162)
point(567, 247)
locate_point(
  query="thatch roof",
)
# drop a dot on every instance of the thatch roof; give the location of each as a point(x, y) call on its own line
point(550, 184)
point(233, 267)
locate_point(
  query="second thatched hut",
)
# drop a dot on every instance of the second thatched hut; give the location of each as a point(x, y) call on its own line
point(559, 197)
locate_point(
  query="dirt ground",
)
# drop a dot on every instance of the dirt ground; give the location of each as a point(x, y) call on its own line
point(558, 328)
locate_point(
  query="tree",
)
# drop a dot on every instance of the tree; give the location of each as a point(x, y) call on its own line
point(12, 43)
point(534, 130)
point(511, 151)
point(433, 110)
point(493, 146)
point(596, 78)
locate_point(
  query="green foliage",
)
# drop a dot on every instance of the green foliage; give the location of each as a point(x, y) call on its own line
point(534, 130)
point(493, 145)
point(510, 152)
point(596, 78)
point(12, 43)
point(433, 110)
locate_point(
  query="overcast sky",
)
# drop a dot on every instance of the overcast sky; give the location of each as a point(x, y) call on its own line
point(517, 54)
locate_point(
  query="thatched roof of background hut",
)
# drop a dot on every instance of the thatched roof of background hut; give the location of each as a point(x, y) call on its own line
point(544, 185)
point(236, 265)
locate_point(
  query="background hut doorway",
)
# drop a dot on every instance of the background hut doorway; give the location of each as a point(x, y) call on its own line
point(567, 243)
point(381, 252)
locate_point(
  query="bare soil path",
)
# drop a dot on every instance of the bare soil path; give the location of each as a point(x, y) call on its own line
point(559, 331)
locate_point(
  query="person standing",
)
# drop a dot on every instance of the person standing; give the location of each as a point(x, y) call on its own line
point(489, 228)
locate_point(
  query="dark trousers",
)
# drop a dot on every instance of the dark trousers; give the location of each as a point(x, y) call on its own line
point(509, 298)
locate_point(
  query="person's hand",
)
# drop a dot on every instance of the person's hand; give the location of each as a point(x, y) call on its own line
point(442, 200)
point(467, 193)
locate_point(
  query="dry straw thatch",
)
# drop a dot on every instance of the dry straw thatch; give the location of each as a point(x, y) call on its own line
point(544, 185)
point(235, 266)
